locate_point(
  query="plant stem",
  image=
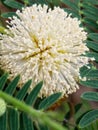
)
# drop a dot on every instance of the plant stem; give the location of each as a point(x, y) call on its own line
point(39, 115)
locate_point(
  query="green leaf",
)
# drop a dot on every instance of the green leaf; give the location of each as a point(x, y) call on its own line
point(21, 121)
point(90, 7)
point(90, 23)
point(43, 127)
point(12, 86)
point(70, 11)
point(41, 2)
point(84, 70)
point(55, 2)
point(13, 116)
point(92, 74)
point(92, 45)
point(26, 2)
point(90, 83)
point(92, 55)
point(23, 91)
point(3, 122)
point(88, 118)
point(3, 80)
point(91, 96)
point(71, 4)
point(13, 4)
point(30, 2)
point(33, 95)
point(93, 36)
point(8, 14)
point(90, 15)
point(95, 2)
point(27, 122)
point(77, 107)
point(47, 102)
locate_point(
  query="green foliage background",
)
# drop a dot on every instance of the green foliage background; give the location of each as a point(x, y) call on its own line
point(84, 117)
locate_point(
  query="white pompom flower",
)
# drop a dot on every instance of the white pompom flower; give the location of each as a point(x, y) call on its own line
point(44, 44)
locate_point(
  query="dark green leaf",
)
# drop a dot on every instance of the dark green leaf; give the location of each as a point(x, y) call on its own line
point(3, 122)
point(13, 4)
point(47, 102)
point(21, 121)
point(12, 86)
point(92, 74)
point(70, 11)
point(90, 15)
point(22, 93)
point(95, 2)
point(27, 122)
point(90, 83)
point(77, 107)
point(43, 127)
point(71, 4)
point(93, 36)
point(84, 70)
point(92, 96)
point(88, 118)
point(33, 95)
point(29, 2)
point(92, 55)
point(41, 2)
point(13, 116)
point(3, 80)
point(92, 45)
point(90, 7)
point(91, 24)
point(8, 14)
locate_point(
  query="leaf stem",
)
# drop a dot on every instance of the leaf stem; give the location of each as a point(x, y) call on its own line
point(39, 115)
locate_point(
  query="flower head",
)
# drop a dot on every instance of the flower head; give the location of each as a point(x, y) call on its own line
point(46, 45)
